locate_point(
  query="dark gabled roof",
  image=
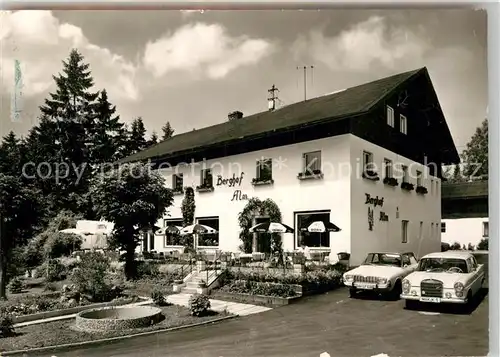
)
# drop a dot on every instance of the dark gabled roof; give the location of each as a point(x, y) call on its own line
point(338, 105)
point(464, 190)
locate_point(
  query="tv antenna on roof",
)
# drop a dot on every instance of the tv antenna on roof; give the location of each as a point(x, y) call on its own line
point(305, 68)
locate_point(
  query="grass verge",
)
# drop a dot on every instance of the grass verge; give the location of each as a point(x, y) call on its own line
point(60, 332)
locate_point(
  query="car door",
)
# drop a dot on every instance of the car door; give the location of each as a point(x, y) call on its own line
point(476, 276)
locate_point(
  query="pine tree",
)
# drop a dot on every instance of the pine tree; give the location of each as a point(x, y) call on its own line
point(11, 155)
point(153, 140)
point(69, 115)
point(137, 137)
point(167, 130)
point(106, 132)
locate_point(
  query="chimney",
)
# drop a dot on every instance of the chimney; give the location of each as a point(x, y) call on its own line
point(235, 115)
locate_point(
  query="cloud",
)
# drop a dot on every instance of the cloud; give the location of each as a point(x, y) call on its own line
point(360, 47)
point(39, 41)
point(203, 50)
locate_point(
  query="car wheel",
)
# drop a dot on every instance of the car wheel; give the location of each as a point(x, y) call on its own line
point(396, 291)
point(352, 293)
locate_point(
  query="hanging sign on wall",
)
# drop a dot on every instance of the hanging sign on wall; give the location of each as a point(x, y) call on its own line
point(384, 217)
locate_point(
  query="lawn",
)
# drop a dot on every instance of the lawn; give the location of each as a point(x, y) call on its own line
point(60, 332)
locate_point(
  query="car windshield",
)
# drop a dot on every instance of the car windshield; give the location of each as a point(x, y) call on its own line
point(450, 265)
point(383, 259)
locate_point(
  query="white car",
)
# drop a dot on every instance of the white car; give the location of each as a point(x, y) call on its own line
point(444, 277)
point(381, 273)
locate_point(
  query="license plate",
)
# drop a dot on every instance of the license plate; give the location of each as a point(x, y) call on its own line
point(430, 299)
point(364, 286)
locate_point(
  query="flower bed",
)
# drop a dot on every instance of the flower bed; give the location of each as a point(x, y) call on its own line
point(279, 285)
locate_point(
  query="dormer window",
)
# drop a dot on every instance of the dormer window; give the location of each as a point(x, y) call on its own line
point(390, 116)
point(403, 124)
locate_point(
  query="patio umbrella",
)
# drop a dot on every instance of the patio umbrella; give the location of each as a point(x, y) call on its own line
point(198, 229)
point(168, 230)
point(271, 227)
point(321, 227)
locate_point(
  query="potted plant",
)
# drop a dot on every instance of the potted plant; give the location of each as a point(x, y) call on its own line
point(407, 186)
point(390, 181)
point(421, 190)
point(370, 174)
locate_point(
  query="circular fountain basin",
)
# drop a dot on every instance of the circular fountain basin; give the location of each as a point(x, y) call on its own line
point(118, 318)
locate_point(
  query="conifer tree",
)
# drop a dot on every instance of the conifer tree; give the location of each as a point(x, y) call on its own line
point(137, 136)
point(167, 130)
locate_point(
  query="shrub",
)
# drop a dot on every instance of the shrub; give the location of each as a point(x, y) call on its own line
point(52, 270)
point(199, 304)
point(50, 287)
point(259, 288)
point(147, 269)
point(6, 325)
point(90, 278)
point(158, 297)
point(16, 286)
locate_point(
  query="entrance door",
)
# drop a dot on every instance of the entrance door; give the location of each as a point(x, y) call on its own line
point(151, 241)
point(263, 239)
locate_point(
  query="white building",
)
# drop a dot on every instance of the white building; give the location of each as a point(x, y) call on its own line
point(308, 158)
point(465, 213)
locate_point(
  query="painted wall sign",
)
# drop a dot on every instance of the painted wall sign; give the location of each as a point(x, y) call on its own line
point(370, 219)
point(384, 217)
point(239, 196)
point(375, 201)
point(231, 181)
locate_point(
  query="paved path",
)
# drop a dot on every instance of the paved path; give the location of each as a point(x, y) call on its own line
point(219, 305)
point(66, 317)
point(330, 323)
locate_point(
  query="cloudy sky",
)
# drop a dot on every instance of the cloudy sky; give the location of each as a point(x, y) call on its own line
point(192, 68)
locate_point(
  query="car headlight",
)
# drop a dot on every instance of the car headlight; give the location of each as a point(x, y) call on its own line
point(406, 286)
point(348, 278)
point(382, 280)
point(458, 286)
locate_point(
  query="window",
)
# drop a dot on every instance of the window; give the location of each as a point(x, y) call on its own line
point(390, 116)
point(402, 124)
point(432, 230)
point(486, 230)
point(432, 186)
point(388, 168)
point(419, 178)
point(405, 173)
point(420, 230)
point(312, 162)
point(367, 161)
point(404, 231)
point(264, 170)
point(177, 182)
point(311, 239)
point(443, 227)
point(172, 238)
point(206, 178)
point(209, 240)
point(413, 260)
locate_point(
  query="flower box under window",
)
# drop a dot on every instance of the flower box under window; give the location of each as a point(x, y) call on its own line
point(421, 190)
point(407, 186)
point(370, 175)
point(310, 174)
point(390, 181)
point(262, 181)
point(205, 188)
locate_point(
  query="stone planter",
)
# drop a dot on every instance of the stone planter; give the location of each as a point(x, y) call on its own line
point(177, 286)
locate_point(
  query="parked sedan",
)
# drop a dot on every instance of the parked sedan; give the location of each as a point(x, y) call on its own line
point(444, 277)
point(381, 273)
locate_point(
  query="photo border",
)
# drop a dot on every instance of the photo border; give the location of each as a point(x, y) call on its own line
point(493, 11)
